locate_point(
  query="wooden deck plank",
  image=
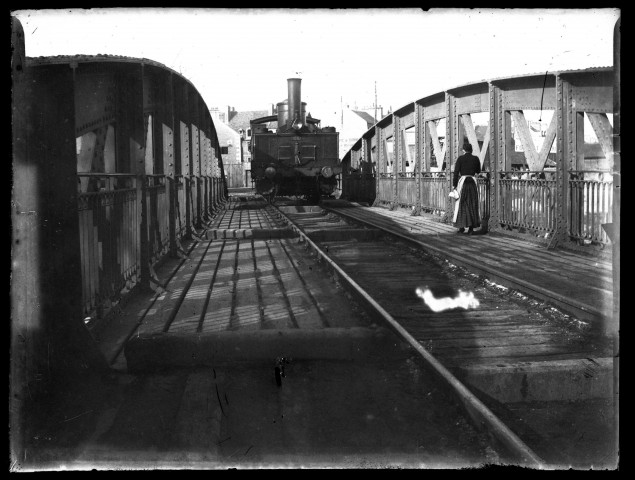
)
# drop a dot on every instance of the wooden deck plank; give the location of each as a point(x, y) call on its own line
point(218, 313)
point(276, 314)
point(482, 332)
point(525, 340)
point(195, 298)
point(304, 311)
point(154, 320)
point(247, 304)
point(471, 354)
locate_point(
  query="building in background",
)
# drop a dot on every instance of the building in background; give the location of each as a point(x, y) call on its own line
point(352, 122)
point(230, 150)
point(234, 135)
point(240, 122)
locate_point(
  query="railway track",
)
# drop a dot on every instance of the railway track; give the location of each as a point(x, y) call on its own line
point(486, 348)
point(371, 372)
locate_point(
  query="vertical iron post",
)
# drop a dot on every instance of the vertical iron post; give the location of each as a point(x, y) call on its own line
point(137, 139)
point(562, 174)
point(380, 166)
point(169, 161)
point(418, 118)
point(186, 160)
point(396, 155)
point(495, 132)
point(195, 166)
point(450, 147)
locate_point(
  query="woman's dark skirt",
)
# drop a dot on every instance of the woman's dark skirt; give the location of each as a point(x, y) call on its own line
point(468, 207)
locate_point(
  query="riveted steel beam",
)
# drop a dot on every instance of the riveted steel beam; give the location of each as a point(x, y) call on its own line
point(562, 175)
point(604, 133)
point(381, 161)
point(419, 155)
point(397, 167)
point(168, 144)
point(495, 143)
point(364, 155)
point(525, 139)
point(136, 134)
point(451, 145)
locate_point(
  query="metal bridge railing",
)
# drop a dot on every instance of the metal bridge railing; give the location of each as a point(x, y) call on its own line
point(406, 189)
point(158, 220)
point(113, 243)
point(109, 219)
point(527, 201)
point(181, 205)
point(434, 192)
point(590, 205)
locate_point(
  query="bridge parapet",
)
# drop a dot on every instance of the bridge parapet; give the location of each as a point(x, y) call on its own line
point(116, 160)
point(532, 129)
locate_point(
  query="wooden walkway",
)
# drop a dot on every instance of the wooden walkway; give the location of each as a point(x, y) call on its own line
point(577, 283)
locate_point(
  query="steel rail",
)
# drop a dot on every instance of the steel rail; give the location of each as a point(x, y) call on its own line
point(476, 409)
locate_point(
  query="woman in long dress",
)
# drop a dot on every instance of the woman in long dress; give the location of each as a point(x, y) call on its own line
point(464, 181)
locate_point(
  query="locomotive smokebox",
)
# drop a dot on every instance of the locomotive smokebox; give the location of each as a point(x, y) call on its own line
point(296, 107)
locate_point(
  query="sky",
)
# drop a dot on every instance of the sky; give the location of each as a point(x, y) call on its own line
point(242, 57)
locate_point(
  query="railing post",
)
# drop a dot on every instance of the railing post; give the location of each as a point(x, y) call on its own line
point(214, 200)
point(418, 118)
point(396, 153)
point(364, 162)
point(186, 172)
point(168, 165)
point(137, 156)
point(195, 171)
point(562, 177)
point(144, 257)
point(208, 186)
point(450, 149)
point(380, 167)
point(496, 132)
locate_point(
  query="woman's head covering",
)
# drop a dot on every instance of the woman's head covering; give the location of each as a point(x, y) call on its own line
point(467, 147)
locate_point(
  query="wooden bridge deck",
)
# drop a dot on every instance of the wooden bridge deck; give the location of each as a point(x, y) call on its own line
point(498, 335)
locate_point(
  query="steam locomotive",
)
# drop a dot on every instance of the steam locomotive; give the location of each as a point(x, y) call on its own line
point(300, 158)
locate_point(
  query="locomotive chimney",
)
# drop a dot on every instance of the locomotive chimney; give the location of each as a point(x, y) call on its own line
point(295, 101)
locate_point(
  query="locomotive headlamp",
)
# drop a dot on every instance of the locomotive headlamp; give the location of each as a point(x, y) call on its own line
point(327, 172)
point(270, 172)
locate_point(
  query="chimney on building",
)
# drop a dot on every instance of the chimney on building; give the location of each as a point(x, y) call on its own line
point(231, 113)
